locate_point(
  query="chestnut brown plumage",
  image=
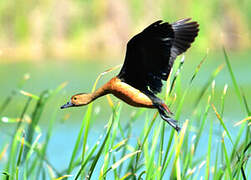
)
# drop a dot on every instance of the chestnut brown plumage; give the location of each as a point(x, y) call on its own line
point(149, 58)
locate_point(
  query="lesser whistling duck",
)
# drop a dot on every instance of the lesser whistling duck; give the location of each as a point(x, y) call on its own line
point(149, 58)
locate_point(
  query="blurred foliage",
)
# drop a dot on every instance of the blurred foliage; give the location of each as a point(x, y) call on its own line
point(83, 29)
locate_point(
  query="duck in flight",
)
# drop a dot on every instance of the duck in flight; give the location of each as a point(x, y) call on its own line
point(149, 58)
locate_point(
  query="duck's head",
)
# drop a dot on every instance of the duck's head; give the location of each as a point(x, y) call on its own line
point(78, 100)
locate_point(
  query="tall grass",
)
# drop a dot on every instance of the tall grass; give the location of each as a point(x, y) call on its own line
point(158, 153)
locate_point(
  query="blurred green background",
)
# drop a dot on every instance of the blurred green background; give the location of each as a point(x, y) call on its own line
point(97, 29)
point(55, 41)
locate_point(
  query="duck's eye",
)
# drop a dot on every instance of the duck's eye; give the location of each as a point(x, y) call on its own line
point(75, 98)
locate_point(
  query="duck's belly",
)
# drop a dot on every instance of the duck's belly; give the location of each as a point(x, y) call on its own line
point(130, 95)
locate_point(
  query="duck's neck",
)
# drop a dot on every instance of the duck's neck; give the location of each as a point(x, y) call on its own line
point(98, 93)
point(85, 99)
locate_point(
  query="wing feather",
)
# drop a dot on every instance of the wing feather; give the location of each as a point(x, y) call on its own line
point(150, 54)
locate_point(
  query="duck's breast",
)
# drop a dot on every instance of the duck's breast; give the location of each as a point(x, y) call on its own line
point(129, 94)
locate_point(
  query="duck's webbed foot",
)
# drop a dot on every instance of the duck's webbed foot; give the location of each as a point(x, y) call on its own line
point(169, 120)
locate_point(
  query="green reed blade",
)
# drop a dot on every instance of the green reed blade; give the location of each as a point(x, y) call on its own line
point(246, 103)
point(177, 73)
point(119, 162)
point(198, 67)
point(19, 156)
point(150, 169)
point(13, 142)
point(110, 142)
point(228, 164)
point(208, 160)
point(222, 123)
point(208, 83)
point(229, 67)
point(35, 118)
point(162, 139)
point(9, 98)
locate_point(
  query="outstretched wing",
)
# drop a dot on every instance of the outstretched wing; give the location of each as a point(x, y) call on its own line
point(151, 53)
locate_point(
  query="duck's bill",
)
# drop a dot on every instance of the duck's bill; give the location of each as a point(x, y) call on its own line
point(67, 105)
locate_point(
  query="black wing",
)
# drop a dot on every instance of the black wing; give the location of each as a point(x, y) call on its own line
point(151, 53)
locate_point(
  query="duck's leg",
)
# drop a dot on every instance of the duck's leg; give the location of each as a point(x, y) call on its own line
point(162, 111)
